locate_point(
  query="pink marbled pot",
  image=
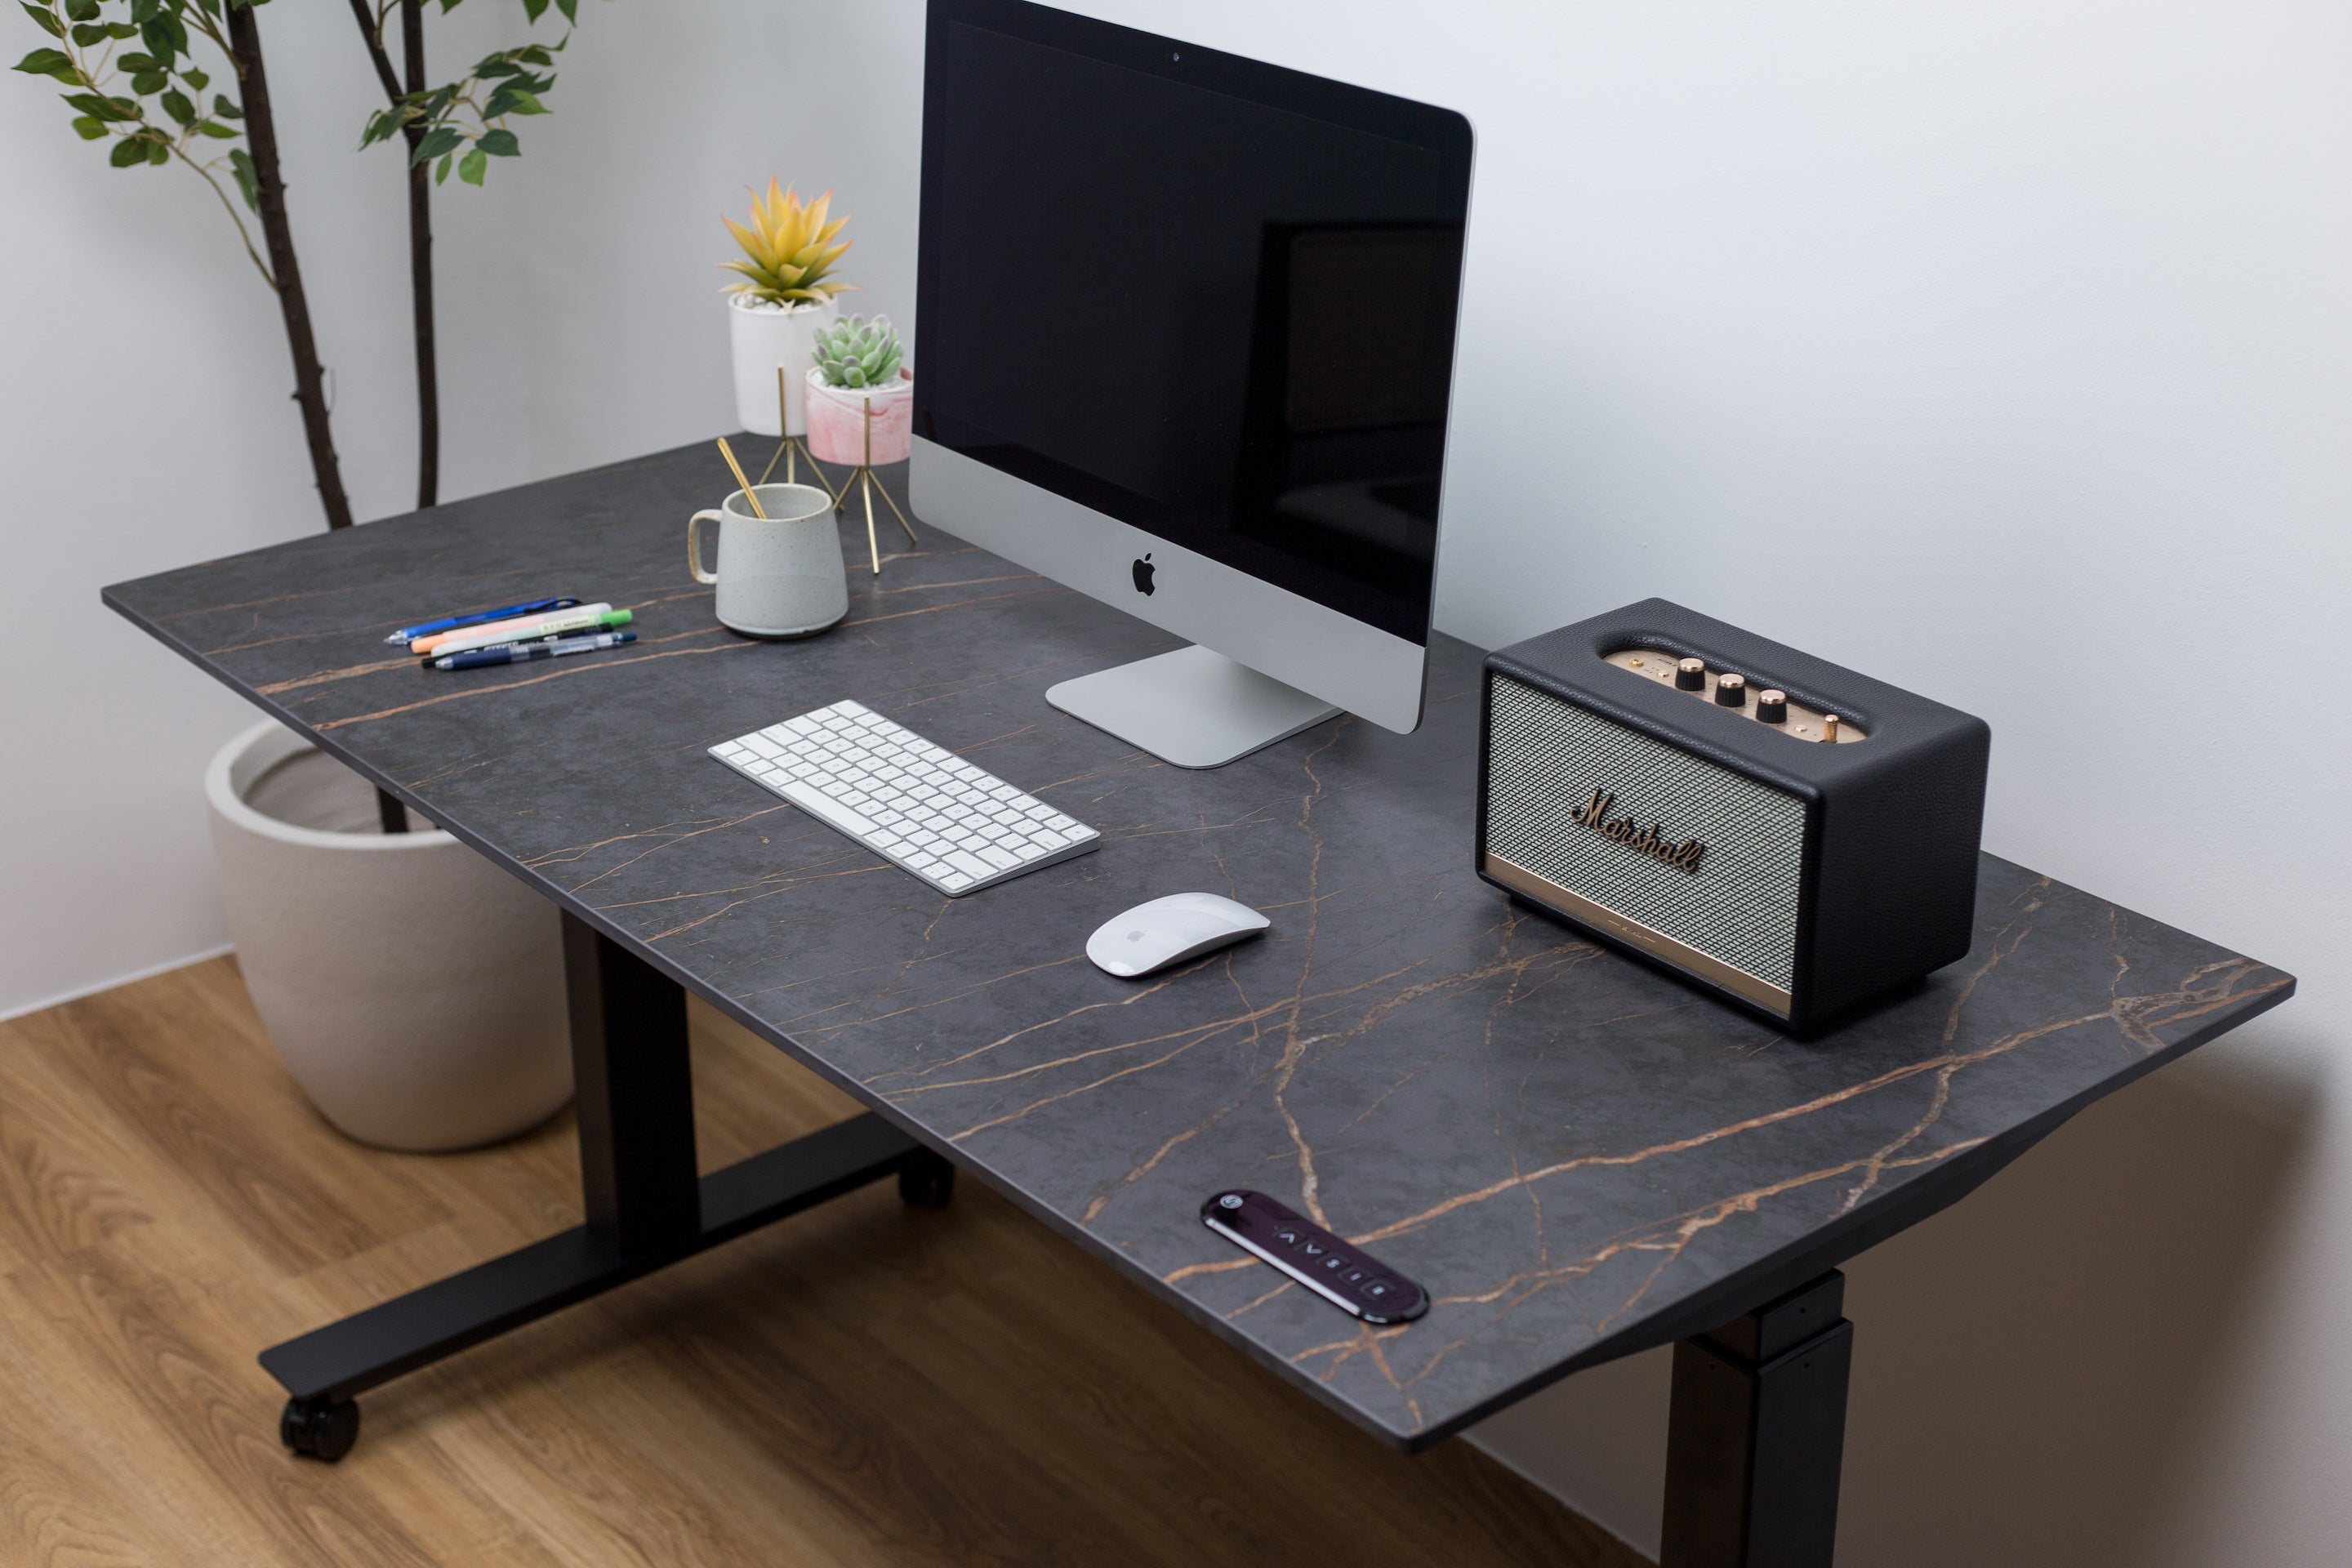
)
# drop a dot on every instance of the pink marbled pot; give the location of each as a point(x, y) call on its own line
point(836, 420)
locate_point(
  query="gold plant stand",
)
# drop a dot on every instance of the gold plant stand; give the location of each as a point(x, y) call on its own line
point(864, 475)
point(791, 450)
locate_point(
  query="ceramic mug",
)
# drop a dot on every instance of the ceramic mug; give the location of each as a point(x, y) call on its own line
point(781, 575)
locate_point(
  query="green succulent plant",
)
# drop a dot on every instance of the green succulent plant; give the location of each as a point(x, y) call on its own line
point(860, 353)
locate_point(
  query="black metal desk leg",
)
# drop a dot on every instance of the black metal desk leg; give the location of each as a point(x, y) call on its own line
point(645, 1206)
point(1757, 1434)
point(634, 1076)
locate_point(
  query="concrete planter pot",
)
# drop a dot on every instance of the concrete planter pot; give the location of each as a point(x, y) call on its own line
point(415, 991)
point(765, 339)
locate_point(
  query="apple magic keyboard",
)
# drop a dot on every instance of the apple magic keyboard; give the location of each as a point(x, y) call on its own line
point(917, 805)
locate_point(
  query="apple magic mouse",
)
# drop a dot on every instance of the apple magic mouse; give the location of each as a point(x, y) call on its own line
point(1168, 930)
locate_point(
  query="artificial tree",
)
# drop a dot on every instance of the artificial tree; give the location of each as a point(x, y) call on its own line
point(163, 118)
point(149, 102)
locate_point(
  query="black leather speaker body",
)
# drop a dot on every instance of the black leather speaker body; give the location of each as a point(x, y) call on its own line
point(1796, 878)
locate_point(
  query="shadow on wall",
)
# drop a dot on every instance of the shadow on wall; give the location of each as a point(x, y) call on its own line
point(2033, 1368)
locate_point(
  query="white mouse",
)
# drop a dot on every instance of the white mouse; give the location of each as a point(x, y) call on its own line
point(1169, 930)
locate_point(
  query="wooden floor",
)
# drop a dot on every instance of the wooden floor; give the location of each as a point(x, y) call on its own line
point(861, 1384)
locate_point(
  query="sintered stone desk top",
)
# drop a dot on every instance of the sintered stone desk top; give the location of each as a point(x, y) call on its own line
point(1577, 1157)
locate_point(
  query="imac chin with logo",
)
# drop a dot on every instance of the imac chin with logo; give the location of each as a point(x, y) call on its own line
point(1185, 328)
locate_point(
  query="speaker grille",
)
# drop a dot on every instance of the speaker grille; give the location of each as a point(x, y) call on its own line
point(1547, 758)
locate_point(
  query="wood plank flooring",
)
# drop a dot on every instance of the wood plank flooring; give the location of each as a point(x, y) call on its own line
point(861, 1384)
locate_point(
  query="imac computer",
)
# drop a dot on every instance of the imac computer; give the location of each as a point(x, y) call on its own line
point(1185, 329)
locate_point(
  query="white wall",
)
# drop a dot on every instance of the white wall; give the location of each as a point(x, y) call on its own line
point(1999, 349)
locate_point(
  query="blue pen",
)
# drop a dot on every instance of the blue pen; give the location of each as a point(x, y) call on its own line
point(451, 623)
point(524, 652)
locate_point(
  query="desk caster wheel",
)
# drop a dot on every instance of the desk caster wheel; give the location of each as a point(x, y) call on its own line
point(319, 1429)
point(926, 1181)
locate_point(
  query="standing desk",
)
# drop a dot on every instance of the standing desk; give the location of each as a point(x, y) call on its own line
point(1577, 1156)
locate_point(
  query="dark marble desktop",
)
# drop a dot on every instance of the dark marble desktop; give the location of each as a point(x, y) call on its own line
point(1574, 1155)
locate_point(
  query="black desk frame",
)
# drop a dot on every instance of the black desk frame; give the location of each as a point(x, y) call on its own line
point(645, 1208)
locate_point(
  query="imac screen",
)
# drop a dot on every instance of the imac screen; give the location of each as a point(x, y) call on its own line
point(1209, 298)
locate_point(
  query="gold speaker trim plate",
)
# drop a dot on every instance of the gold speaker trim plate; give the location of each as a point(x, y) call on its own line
point(1634, 934)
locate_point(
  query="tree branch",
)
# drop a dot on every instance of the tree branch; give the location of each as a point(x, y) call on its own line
point(372, 34)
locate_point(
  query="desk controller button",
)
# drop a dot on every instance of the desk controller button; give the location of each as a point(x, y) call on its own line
point(1312, 1257)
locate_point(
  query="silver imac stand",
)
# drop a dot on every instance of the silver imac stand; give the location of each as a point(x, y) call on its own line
point(1193, 708)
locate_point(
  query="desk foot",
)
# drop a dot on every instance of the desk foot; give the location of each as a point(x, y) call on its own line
point(319, 1428)
point(326, 1367)
point(1757, 1435)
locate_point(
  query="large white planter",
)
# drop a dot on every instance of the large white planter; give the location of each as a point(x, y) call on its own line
point(764, 340)
point(415, 991)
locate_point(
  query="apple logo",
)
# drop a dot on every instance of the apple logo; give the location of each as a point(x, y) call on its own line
point(1143, 571)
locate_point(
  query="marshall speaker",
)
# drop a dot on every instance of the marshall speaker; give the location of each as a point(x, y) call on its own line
point(1791, 836)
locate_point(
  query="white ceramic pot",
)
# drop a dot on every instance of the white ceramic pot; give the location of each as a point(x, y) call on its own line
point(838, 419)
point(764, 340)
point(415, 991)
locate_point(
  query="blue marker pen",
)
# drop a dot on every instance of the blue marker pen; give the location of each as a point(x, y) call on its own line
point(451, 623)
point(524, 652)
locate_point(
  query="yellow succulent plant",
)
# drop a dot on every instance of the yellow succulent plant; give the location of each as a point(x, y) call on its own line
point(788, 248)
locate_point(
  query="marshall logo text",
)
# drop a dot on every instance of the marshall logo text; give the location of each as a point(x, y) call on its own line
point(1652, 840)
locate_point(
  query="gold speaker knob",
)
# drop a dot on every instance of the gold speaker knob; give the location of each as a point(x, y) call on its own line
point(1731, 691)
point(1690, 675)
point(1772, 706)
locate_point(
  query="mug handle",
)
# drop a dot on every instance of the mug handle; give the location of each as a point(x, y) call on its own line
point(694, 544)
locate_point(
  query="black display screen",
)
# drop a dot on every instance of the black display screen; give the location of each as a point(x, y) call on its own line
point(1211, 298)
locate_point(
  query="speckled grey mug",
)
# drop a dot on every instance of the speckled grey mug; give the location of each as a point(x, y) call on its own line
point(781, 575)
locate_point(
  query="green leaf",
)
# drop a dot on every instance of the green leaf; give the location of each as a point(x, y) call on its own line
point(176, 105)
point(147, 82)
point(438, 141)
point(535, 56)
point(240, 163)
point(129, 150)
point(512, 100)
point(88, 32)
point(82, 10)
point(571, 9)
point(471, 167)
point(121, 30)
point(158, 153)
point(89, 128)
point(102, 108)
point(499, 143)
point(224, 108)
point(132, 60)
point(214, 129)
point(441, 174)
point(156, 34)
point(533, 10)
point(196, 79)
point(51, 62)
point(42, 20)
point(143, 11)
